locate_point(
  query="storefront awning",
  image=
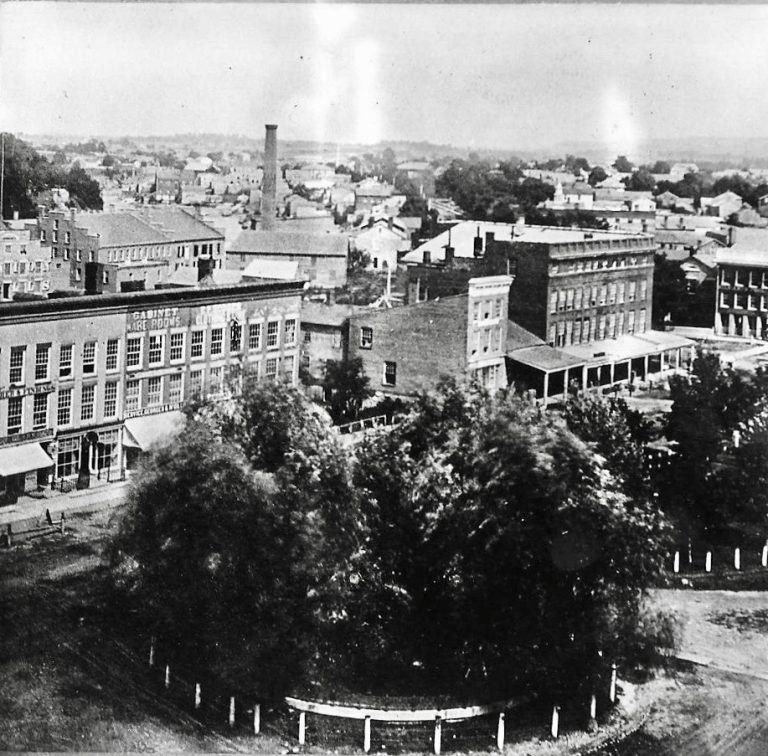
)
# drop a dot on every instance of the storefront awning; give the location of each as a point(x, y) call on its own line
point(142, 432)
point(544, 358)
point(21, 459)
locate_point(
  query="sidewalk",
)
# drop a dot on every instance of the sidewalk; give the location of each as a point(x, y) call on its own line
point(32, 509)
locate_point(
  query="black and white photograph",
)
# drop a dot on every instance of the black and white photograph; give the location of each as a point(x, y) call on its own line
point(384, 378)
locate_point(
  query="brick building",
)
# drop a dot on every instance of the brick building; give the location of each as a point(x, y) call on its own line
point(742, 292)
point(321, 257)
point(127, 249)
point(324, 336)
point(86, 383)
point(586, 293)
point(25, 262)
point(405, 350)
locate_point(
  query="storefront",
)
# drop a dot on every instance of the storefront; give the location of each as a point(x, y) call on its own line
point(25, 467)
point(140, 433)
point(93, 453)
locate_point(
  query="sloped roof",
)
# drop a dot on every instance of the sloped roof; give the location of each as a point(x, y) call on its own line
point(120, 229)
point(518, 337)
point(181, 225)
point(544, 357)
point(290, 243)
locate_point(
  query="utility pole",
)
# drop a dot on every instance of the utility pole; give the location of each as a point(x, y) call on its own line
point(2, 174)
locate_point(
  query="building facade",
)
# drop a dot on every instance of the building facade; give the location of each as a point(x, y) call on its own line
point(137, 248)
point(742, 293)
point(87, 382)
point(26, 263)
point(406, 350)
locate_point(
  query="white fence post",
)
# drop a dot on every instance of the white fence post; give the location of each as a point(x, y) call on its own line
point(256, 719)
point(438, 735)
point(152, 651)
point(302, 728)
point(231, 711)
point(593, 710)
point(612, 688)
point(737, 558)
point(367, 735)
point(198, 698)
point(764, 559)
point(500, 732)
point(708, 562)
point(677, 562)
point(167, 676)
point(555, 728)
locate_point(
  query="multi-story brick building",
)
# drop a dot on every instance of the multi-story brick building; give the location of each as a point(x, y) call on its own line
point(585, 292)
point(25, 262)
point(127, 249)
point(324, 336)
point(87, 382)
point(742, 292)
point(405, 350)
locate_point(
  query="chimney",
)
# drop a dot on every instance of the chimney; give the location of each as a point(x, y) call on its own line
point(449, 252)
point(269, 183)
point(478, 244)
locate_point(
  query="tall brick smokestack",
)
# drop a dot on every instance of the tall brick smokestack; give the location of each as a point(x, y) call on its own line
point(269, 182)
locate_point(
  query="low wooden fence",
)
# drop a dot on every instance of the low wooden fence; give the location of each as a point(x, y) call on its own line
point(229, 709)
point(365, 424)
point(718, 559)
point(22, 531)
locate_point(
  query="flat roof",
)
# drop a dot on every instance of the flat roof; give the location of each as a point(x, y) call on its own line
point(544, 357)
point(125, 300)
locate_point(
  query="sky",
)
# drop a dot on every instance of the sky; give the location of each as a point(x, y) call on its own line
point(475, 76)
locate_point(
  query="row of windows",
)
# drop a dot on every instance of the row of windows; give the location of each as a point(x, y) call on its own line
point(744, 277)
point(139, 393)
point(741, 300)
point(22, 267)
point(489, 308)
point(596, 296)
point(598, 263)
point(238, 339)
point(583, 331)
point(156, 349)
point(487, 339)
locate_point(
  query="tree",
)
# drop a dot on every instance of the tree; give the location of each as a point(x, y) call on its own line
point(707, 407)
point(576, 165)
point(597, 175)
point(239, 539)
point(346, 388)
point(83, 189)
point(622, 164)
point(108, 161)
point(670, 293)
point(661, 167)
point(640, 181)
point(500, 548)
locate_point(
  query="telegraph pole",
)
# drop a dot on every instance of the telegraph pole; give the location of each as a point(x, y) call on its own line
point(2, 173)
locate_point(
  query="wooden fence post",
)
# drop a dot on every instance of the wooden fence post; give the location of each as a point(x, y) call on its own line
point(256, 719)
point(231, 711)
point(737, 558)
point(555, 728)
point(167, 676)
point(612, 688)
point(61, 524)
point(367, 735)
point(593, 711)
point(500, 732)
point(9, 536)
point(152, 651)
point(198, 697)
point(438, 735)
point(302, 728)
point(764, 559)
point(677, 562)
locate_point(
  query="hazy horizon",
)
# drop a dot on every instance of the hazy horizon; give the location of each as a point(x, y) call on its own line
point(506, 77)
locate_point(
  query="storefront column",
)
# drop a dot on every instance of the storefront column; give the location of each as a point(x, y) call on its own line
point(613, 371)
point(645, 367)
point(546, 387)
